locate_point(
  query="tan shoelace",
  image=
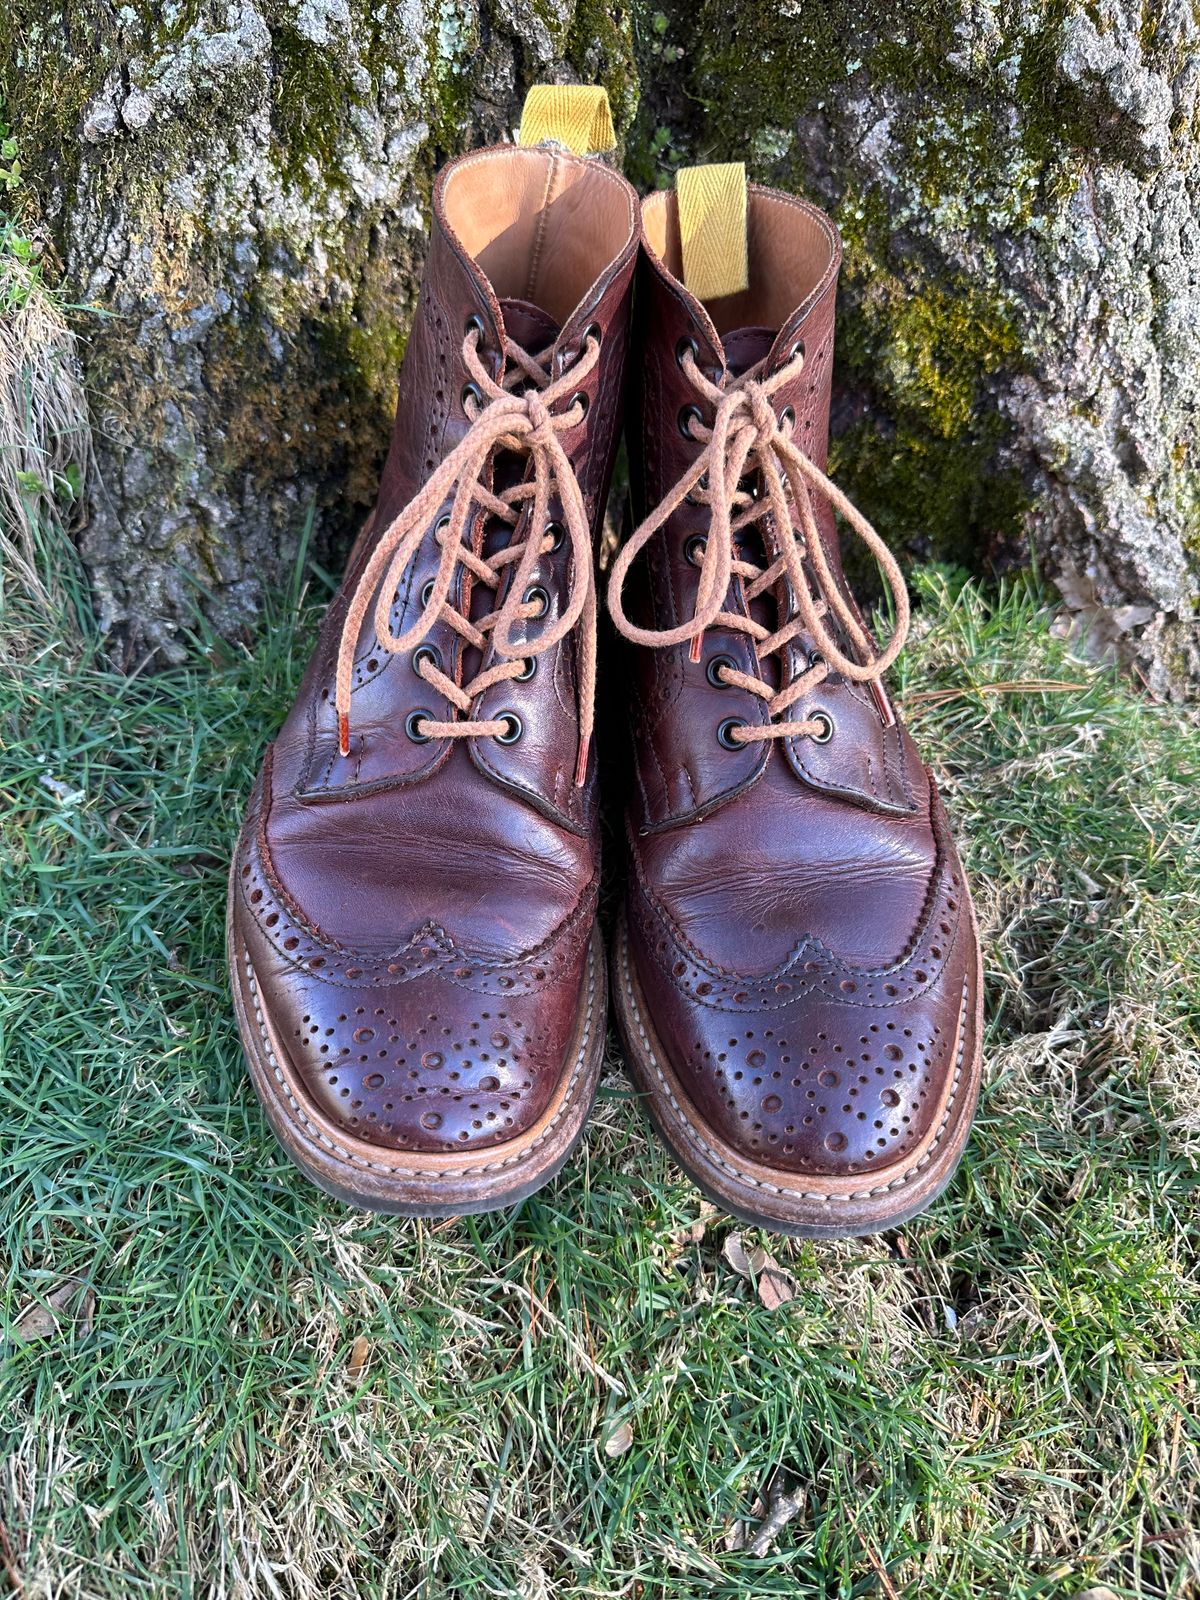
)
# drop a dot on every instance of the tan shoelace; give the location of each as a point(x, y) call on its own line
point(746, 435)
point(522, 424)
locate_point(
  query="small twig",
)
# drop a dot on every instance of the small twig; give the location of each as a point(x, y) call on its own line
point(881, 1572)
point(921, 1300)
point(594, 1367)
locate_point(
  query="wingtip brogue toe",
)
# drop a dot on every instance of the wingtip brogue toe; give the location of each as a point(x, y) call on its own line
point(822, 1096)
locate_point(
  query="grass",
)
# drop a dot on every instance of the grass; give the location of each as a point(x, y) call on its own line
point(272, 1396)
point(46, 453)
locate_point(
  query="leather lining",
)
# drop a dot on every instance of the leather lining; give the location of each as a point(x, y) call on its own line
point(537, 223)
point(791, 247)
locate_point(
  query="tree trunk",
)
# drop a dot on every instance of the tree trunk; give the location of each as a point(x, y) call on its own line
point(1018, 187)
point(242, 186)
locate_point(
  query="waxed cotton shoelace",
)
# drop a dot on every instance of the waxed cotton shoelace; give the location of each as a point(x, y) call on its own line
point(523, 424)
point(747, 436)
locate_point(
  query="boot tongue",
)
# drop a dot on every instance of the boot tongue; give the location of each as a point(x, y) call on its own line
point(528, 326)
point(745, 346)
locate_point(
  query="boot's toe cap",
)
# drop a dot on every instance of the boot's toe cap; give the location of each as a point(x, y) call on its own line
point(425, 1049)
point(820, 1070)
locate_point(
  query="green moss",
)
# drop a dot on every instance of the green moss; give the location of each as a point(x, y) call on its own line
point(929, 346)
point(917, 347)
point(312, 100)
point(600, 46)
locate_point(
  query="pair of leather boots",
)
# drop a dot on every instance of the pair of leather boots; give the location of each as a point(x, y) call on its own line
point(417, 965)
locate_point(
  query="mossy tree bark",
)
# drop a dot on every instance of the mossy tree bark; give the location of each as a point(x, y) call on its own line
point(240, 184)
point(1018, 186)
point(240, 187)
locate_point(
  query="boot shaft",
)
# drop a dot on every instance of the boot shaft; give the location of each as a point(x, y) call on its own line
point(536, 247)
point(781, 321)
point(793, 254)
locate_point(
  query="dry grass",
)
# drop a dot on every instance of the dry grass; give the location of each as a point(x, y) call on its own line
point(46, 458)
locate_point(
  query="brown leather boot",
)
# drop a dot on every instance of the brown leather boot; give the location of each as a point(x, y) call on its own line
point(412, 934)
point(797, 974)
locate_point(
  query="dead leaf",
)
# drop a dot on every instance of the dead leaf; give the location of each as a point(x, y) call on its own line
point(1097, 1593)
point(619, 1440)
point(734, 1252)
point(44, 1318)
point(737, 1532)
point(60, 790)
point(775, 1286)
point(360, 1350)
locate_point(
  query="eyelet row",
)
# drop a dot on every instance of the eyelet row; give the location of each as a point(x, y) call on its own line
point(431, 654)
point(471, 395)
point(475, 324)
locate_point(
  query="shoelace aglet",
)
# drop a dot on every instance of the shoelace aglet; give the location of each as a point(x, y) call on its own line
point(343, 733)
point(697, 645)
point(581, 761)
point(883, 704)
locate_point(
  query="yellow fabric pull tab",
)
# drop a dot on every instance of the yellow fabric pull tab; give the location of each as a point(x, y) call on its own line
point(572, 114)
point(712, 229)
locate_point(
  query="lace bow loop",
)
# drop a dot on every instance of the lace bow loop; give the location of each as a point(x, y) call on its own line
point(747, 436)
point(521, 424)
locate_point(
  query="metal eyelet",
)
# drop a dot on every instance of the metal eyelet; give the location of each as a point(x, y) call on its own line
point(426, 652)
point(579, 399)
point(816, 659)
point(688, 415)
point(592, 331)
point(412, 728)
point(427, 591)
point(527, 670)
point(826, 720)
point(695, 548)
point(474, 324)
point(557, 534)
point(440, 526)
point(726, 731)
point(515, 727)
point(473, 393)
point(787, 417)
point(538, 594)
point(797, 350)
point(713, 671)
point(685, 344)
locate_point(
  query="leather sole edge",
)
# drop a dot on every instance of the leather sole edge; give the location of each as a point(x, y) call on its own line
point(441, 1186)
point(718, 1169)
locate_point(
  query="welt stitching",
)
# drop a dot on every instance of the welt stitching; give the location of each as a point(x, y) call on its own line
point(779, 1189)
